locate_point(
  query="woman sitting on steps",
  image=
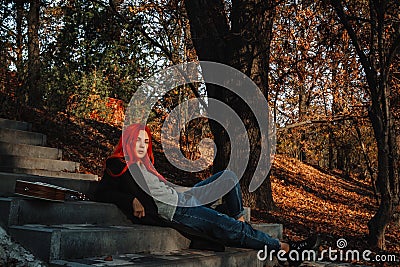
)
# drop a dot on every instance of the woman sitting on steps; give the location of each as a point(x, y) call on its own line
point(132, 183)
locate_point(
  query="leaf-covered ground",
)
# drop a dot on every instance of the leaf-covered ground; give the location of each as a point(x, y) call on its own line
point(330, 204)
point(308, 200)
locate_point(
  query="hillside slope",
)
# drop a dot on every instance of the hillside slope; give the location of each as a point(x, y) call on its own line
point(333, 205)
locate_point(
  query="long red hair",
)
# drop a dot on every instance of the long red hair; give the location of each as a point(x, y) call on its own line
point(126, 150)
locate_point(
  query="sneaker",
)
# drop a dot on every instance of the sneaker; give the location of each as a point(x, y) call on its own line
point(311, 243)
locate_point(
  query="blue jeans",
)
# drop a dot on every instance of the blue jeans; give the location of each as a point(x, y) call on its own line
point(223, 226)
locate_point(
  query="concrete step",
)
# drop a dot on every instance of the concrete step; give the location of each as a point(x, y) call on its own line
point(30, 151)
point(35, 163)
point(56, 174)
point(21, 211)
point(54, 242)
point(17, 125)
point(7, 183)
point(32, 211)
point(22, 137)
point(186, 258)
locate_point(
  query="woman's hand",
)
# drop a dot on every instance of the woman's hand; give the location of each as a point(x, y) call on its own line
point(138, 209)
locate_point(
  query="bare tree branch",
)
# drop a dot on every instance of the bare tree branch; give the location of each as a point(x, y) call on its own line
point(353, 36)
point(323, 121)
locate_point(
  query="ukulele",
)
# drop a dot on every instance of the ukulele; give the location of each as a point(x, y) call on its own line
point(45, 191)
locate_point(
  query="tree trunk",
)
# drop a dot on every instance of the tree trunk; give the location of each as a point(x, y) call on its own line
point(382, 47)
point(252, 23)
point(19, 6)
point(303, 106)
point(378, 222)
point(243, 43)
point(367, 163)
point(33, 81)
point(340, 158)
point(330, 149)
point(388, 178)
point(209, 30)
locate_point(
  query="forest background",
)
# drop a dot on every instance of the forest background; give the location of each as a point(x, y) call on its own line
point(329, 69)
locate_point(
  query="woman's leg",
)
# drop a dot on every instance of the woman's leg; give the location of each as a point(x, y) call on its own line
point(226, 229)
point(232, 201)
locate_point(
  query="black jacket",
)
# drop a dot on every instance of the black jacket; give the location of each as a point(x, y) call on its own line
point(123, 189)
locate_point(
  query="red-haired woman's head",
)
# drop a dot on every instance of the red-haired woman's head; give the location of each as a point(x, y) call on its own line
point(126, 148)
point(134, 146)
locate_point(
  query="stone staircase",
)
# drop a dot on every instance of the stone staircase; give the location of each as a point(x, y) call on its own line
point(86, 233)
point(24, 151)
